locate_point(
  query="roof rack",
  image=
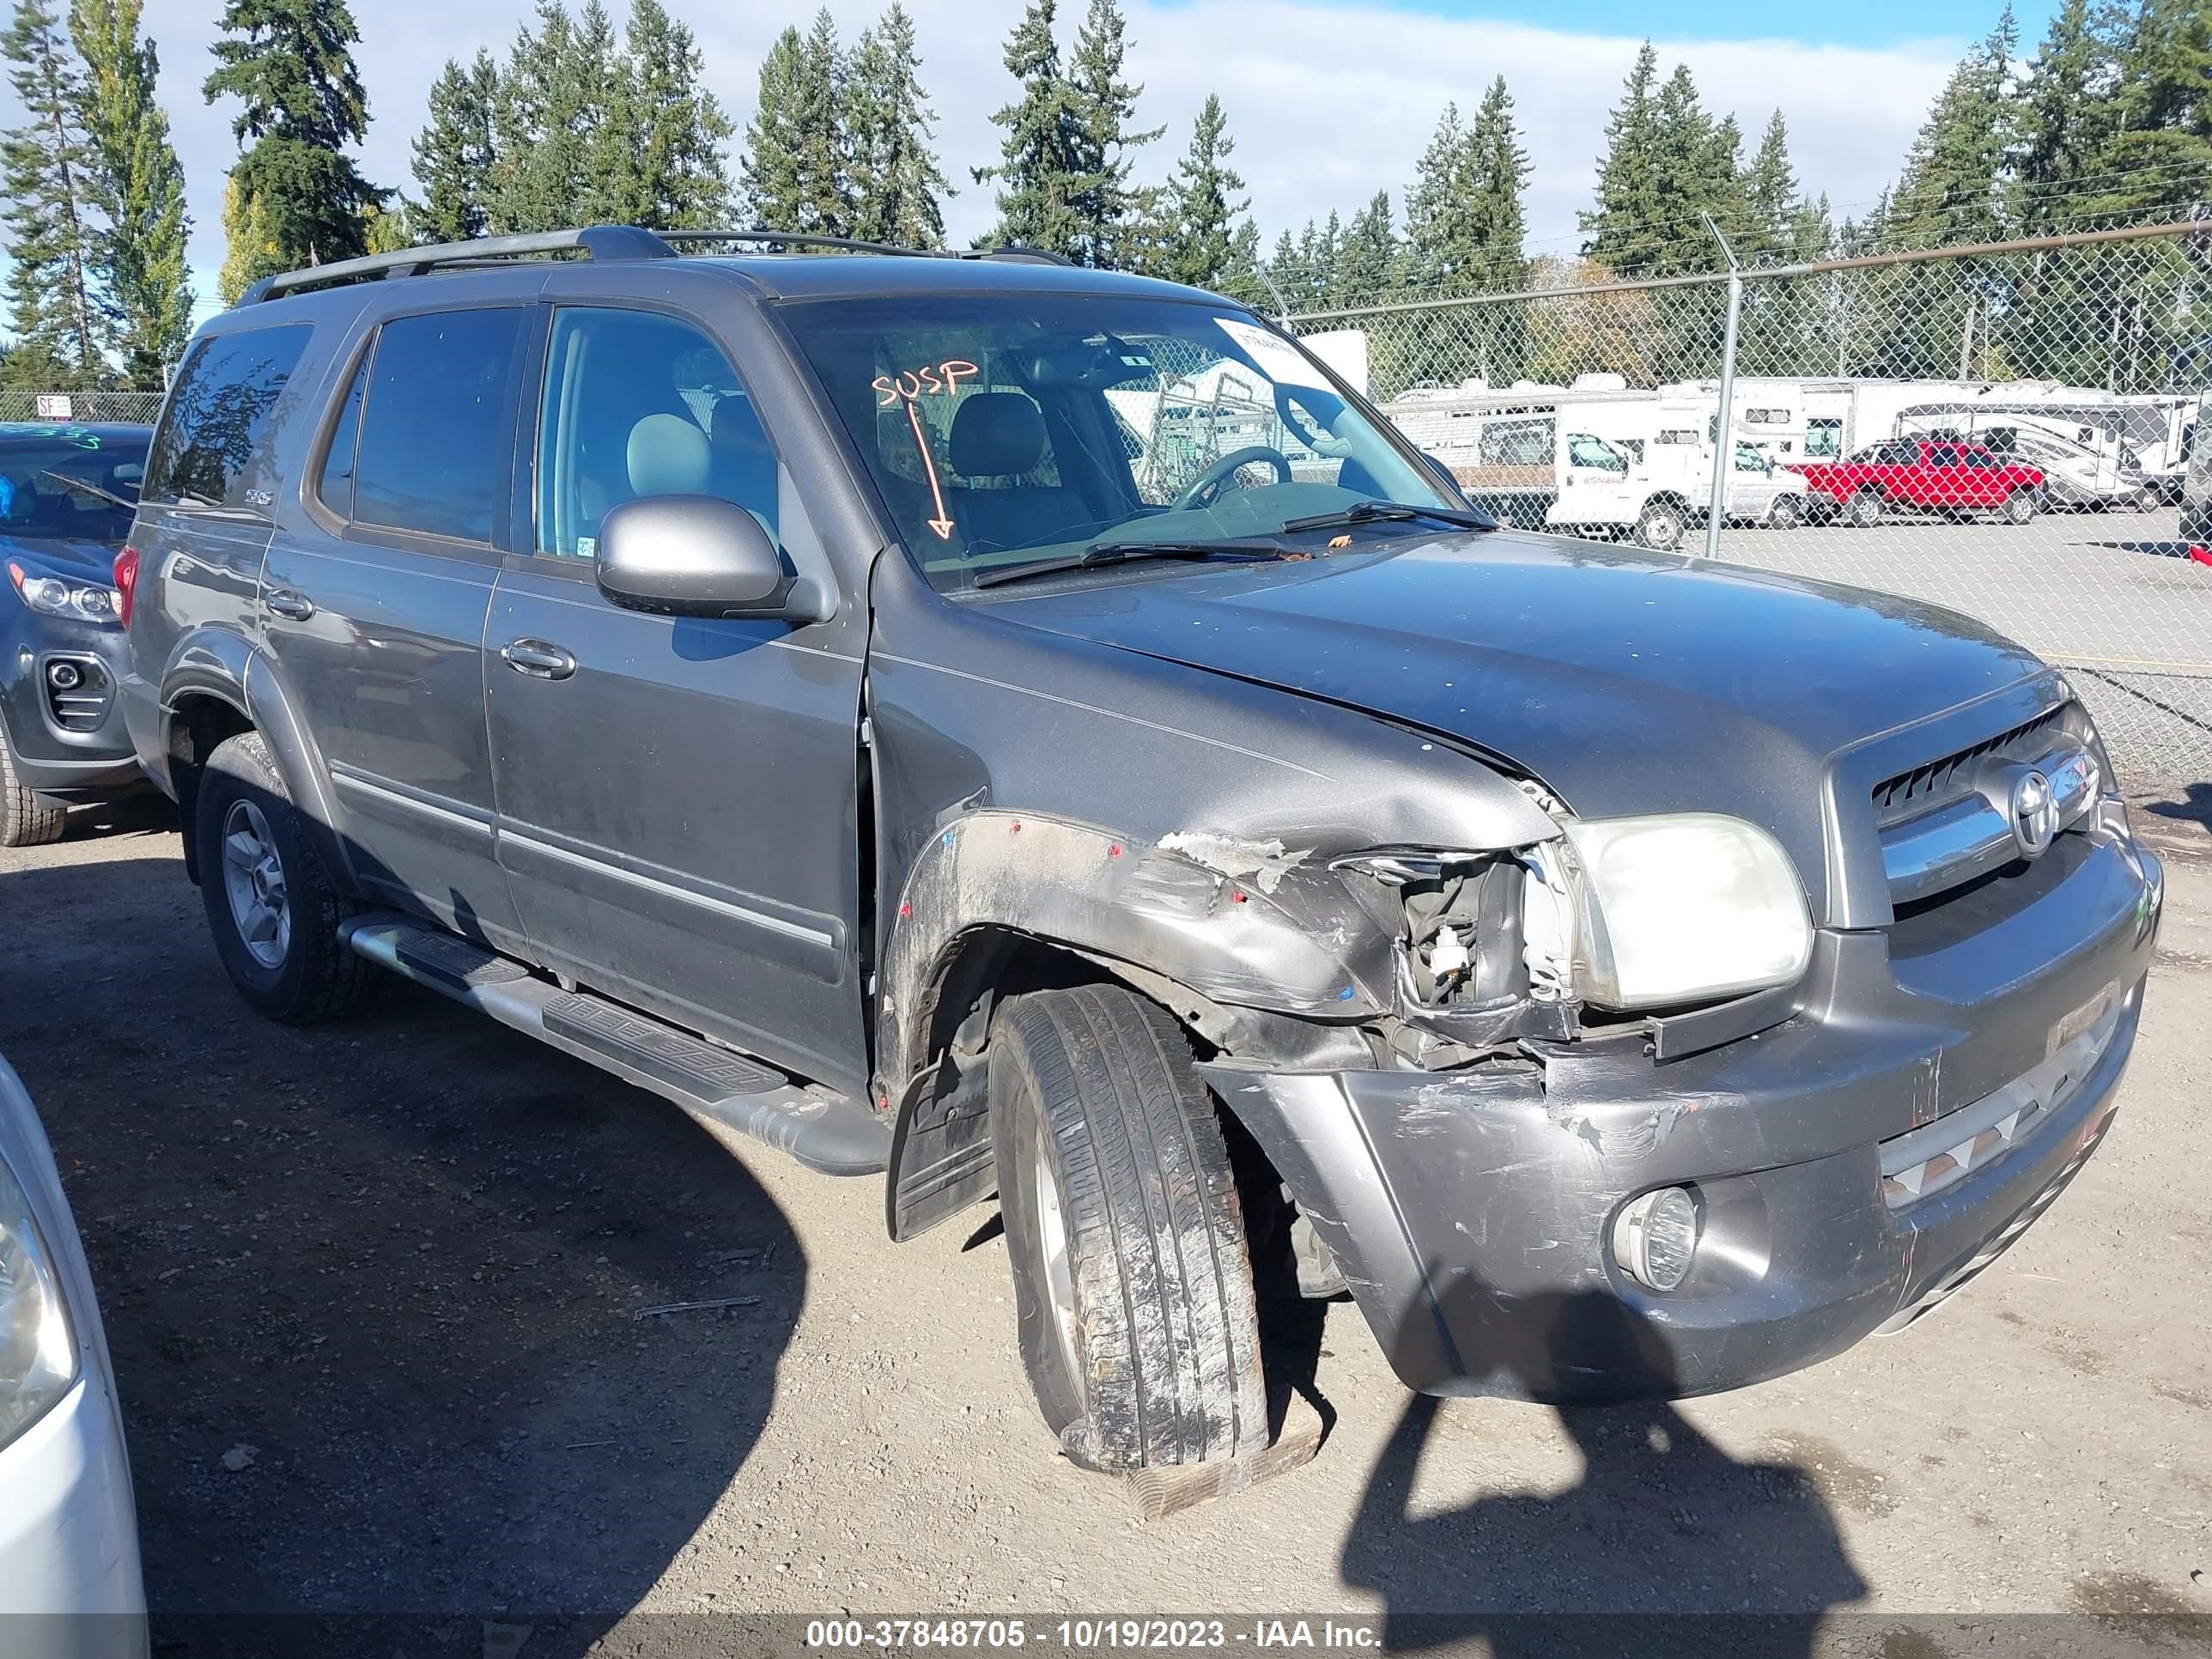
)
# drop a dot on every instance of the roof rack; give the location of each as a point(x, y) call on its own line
point(596, 242)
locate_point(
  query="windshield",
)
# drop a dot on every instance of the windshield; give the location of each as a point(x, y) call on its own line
point(36, 504)
point(1004, 431)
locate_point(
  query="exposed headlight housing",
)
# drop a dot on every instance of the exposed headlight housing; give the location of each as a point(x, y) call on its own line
point(1656, 912)
point(38, 1349)
point(51, 596)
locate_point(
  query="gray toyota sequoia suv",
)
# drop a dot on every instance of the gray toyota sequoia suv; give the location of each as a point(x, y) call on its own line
point(1010, 729)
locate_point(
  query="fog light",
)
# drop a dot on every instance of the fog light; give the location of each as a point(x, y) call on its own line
point(64, 676)
point(1657, 1235)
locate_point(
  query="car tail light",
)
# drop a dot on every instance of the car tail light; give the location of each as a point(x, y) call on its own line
point(126, 583)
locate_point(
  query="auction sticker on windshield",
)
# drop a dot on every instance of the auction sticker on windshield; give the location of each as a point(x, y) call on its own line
point(1276, 358)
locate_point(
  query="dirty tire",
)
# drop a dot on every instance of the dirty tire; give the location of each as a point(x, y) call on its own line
point(317, 977)
point(24, 820)
point(1660, 527)
point(1159, 1364)
point(2020, 507)
point(1865, 509)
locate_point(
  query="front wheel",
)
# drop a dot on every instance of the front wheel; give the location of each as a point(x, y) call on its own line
point(270, 904)
point(1132, 1287)
point(2020, 507)
point(1660, 527)
point(24, 820)
point(1866, 510)
point(1787, 512)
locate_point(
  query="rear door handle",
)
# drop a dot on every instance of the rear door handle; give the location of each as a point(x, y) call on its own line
point(540, 659)
point(290, 605)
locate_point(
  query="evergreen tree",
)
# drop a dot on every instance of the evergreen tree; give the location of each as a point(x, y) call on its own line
point(662, 154)
point(769, 178)
point(140, 189)
point(53, 244)
point(1497, 173)
point(2062, 117)
point(1038, 174)
point(898, 189)
point(1243, 278)
point(1624, 228)
point(1111, 216)
point(1438, 242)
point(290, 64)
point(2160, 158)
point(1201, 247)
point(1948, 192)
point(1696, 164)
point(559, 152)
point(1366, 265)
point(1769, 192)
point(454, 153)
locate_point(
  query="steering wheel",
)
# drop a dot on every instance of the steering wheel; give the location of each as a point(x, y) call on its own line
point(1203, 487)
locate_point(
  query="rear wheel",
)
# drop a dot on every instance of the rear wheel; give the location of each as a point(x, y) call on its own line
point(1865, 509)
point(270, 904)
point(1660, 525)
point(24, 820)
point(1132, 1287)
point(1787, 512)
point(2020, 507)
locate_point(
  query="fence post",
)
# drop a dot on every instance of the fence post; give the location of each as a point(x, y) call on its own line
point(1723, 431)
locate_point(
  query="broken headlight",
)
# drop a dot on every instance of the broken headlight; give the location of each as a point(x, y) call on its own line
point(1658, 912)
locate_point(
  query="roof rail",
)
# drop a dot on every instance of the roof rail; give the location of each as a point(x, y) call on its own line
point(598, 242)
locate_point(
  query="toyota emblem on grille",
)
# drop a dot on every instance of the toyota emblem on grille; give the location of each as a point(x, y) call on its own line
point(2034, 813)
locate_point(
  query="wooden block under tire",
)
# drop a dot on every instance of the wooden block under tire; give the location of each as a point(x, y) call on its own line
point(1161, 1493)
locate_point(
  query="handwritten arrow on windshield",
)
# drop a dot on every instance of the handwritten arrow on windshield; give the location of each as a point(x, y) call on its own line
point(941, 524)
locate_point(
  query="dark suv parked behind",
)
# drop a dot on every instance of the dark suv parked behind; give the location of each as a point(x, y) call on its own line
point(1022, 730)
point(66, 497)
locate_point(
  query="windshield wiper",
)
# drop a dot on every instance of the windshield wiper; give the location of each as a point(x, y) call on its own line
point(1099, 554)
point(129, 502)
point(1383, 512)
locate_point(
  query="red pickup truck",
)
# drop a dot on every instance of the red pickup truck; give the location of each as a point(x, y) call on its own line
point(1928, 474)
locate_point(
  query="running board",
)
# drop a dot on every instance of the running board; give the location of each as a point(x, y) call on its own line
point(723, 1091)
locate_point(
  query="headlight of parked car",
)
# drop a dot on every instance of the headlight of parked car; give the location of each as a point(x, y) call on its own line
point(37, 1349)
point(1656, 912)
point(51, 596)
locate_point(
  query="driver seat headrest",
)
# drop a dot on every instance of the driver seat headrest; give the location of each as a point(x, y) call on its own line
point(668, 455)
point(996, 434)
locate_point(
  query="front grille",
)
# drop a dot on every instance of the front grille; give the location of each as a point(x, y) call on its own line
point(1909, 793)
point(82, 705)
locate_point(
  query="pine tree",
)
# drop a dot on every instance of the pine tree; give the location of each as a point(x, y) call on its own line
point(1769, 192)
point(139, 188)
point(2062, 117)
point(1366, 265)
point(663, 149)
point(1111, 216)
point(1437, 244)
point(898, 188)
point(2159, 159)
point(1496, 172)
point(1949, 191)
point(560, 141)
point(290, 64)
point(1243, 278)
point(53, 244)
point(1696, 168)
point(770, 176)
point(454, 154)
point(1038, 173)
point(1199, 245)
point(1624, 228)
point(824, 144)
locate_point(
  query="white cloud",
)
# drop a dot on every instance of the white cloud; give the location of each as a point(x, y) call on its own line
point(1328, 102)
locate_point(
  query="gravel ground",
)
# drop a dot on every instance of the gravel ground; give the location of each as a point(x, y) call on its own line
point(401, 1260)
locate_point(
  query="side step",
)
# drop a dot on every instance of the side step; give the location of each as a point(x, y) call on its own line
point(725, 1091)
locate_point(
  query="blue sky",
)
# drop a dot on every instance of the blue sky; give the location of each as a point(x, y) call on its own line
point(1328, 100)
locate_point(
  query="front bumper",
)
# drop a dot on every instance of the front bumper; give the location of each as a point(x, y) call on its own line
point(1471, 1212)
point(77, 760)
point(69, 1582)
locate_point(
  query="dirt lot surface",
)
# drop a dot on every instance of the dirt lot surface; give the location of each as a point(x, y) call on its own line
point(403, 1259)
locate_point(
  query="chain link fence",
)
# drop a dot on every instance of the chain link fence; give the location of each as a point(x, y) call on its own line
point(62, 408)
point(2003, 430)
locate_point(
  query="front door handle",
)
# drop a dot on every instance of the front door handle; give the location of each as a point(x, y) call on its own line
point(540, 659)
point(290, 605)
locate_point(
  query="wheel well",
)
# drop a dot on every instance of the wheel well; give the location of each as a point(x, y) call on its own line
point(1665, 498)
point(198, 723)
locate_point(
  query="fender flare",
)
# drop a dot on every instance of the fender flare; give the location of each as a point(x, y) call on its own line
point(232, 670)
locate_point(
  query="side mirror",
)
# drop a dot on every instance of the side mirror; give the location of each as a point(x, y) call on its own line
point(690, 555)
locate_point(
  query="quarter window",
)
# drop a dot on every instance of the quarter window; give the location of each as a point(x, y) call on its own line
point(433, 452)
point(640, 404)
point(334, 488)
point(212, 449)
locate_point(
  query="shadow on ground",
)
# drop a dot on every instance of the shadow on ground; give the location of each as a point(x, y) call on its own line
point(1662, 1520)
point(371, 1289)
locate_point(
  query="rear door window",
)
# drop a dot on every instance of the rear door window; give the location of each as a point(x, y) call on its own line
point(436, 436)
point(213, 449)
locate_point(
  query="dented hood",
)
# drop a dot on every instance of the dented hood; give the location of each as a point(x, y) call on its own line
point(1628, 681)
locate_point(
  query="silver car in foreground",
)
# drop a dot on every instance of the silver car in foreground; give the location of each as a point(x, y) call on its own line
point(69, 1583)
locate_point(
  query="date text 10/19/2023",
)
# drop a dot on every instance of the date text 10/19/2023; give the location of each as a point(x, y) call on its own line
point(1038, 1638)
